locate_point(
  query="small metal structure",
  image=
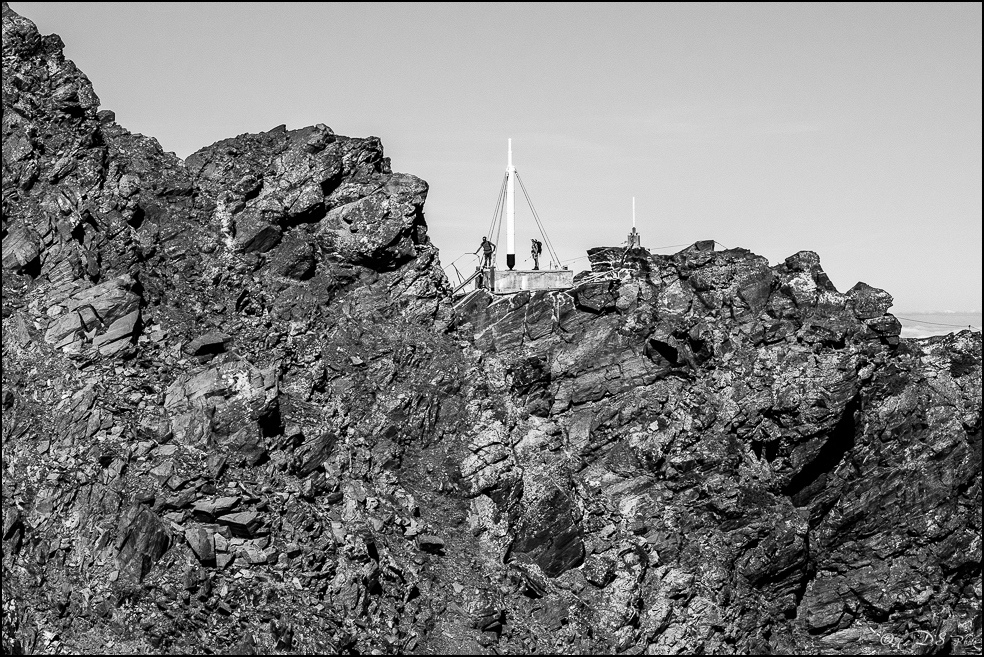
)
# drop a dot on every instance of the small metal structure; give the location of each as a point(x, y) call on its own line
point(635, 239)
point(511, 280)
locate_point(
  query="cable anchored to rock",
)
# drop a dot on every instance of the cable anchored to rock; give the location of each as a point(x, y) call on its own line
point(922, 321)
point(536, 217)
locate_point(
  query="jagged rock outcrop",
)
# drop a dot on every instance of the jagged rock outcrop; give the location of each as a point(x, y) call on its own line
point(736, 420)
point(242, 412)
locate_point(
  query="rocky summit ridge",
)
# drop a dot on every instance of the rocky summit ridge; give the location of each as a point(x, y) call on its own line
point(243, 412)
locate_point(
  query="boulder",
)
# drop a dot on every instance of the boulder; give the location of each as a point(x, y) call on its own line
point(596, 297)
point(244, 524)
point(294, 258)
point(213, 342)
point(209, 510)
point(144, 540)
point(201, 543)
point(108, 312)
point(549, 535)
point(430, 543)
point(255, 234)
point(119, 336)
point(869, 302)
point(20, 248)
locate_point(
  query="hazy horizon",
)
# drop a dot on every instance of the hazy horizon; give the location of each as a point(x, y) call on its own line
point(939, 312)
point(923, 324)
point(851, 130)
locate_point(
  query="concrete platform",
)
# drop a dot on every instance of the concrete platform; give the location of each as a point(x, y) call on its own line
point(516, 281)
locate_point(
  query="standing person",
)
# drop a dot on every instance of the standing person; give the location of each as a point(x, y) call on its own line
point(487, 248)
point(535, 251)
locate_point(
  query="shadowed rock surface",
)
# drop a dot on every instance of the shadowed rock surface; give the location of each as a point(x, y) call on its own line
point(243, 413)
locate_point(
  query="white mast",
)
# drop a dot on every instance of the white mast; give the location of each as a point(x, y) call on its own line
point(510, 211)
point(634, 237)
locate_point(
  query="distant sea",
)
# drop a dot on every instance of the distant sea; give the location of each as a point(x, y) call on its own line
point(922, 324)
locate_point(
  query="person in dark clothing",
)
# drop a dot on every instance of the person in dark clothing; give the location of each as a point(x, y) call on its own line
point(535, 251)
point(487, 248)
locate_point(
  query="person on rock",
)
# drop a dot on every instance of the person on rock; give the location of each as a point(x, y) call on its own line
point(487, 248)
point(535, 251)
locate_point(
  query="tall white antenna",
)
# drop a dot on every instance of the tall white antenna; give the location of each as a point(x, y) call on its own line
point(635, 239)
point(510, 211)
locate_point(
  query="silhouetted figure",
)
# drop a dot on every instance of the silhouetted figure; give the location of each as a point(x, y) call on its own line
point(535, 251)
point(487, 248)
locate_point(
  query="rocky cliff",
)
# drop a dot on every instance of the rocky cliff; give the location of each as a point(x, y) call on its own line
point(243, 413)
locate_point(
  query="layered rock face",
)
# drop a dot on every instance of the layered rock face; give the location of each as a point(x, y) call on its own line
point(243, 413)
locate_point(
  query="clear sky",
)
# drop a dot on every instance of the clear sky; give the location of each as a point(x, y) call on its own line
point(852, 130)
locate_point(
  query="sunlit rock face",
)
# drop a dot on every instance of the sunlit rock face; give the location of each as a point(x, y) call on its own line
point(242, 412)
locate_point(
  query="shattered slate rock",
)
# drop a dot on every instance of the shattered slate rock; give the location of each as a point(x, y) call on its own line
point(201, 543)
point(213, 342)
point(104, 315)
point(253, 234)
point(118, 336)
point(430, 543)
point(20, 247)
point(145, 539)
point(244, 412)
point(244, 524)
point(294, 258)
point(208, 510)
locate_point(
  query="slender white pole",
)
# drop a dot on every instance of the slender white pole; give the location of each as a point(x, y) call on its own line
point(510, 211)
point(633, 241)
